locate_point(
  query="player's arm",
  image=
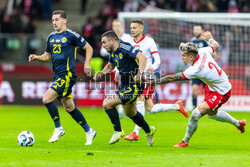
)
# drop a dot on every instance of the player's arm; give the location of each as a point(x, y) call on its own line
point(107, 69)
point(167, 79)
point(209, 37)
point(89, 52)
point(45, 57)
point(142, 64)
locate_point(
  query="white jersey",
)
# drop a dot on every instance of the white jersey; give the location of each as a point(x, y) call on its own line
point(206, 69)
point(125, 37)
point(148, 47)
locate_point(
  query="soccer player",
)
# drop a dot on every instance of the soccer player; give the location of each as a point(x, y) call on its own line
point(61, 48)
point(200, 43)
point(148, 47)
point(217, 90)
point(118, 29)
point(131, 64)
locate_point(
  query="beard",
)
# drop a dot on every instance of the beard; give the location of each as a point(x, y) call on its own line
point(198, 35)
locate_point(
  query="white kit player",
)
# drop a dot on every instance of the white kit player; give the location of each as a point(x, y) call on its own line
point(217, 90)
point(148, 47)
point(118, 29)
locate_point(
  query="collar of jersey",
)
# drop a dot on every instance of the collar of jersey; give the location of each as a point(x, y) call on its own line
point(143, 36)
point(197, 58)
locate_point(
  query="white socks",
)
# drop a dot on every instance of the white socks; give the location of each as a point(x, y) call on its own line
point(224, 117)
point(120, 110)
point(192, 125)
point(140, 105)
point(164, 107)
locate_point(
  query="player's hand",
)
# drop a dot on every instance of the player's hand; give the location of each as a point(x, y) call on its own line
point(32, 57)
point(138, 77)
point(88, 71)
point(207, 35)
point(150, 70)
point(117, 77)
point(98, 76)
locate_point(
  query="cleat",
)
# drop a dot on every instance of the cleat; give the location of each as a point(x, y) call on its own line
point(132, 137)
point(182, 108)
point(90, 135)
point(58, 132)
point(242, 126)
point(150, 136)
point(181, 144)
point(116, 137)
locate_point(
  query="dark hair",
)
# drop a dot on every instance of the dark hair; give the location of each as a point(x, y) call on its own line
point(110, 35)
point(197, 24)
point(62, 13)
point(138, 21)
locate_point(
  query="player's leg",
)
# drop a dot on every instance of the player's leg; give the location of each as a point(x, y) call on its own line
point(193, 123)
point(139, 120)
point(160, 107)
point(48, 101)
point(195, 89)
point(109, 104)
point(223, 116)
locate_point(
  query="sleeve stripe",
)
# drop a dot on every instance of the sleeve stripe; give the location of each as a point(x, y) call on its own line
point(154, 52)
point(184, 76)
point(212, 48)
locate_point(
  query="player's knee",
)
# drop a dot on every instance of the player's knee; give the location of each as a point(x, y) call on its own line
point(68, 108)
point(45, 100)
point(106, 105)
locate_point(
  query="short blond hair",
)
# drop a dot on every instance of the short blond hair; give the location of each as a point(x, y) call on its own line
point(189, 48)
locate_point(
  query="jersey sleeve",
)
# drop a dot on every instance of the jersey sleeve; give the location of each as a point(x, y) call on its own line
point(133, 52)
point(154, 52)
point(78, 39)
point(190, 73)
point(209, 49)
point(47, 49)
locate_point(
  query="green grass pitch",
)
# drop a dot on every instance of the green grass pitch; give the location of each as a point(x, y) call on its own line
point(213, 144)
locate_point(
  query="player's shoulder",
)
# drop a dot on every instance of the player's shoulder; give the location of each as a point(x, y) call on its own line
point(125, 45)
point(193, 39)
point(51, 34)
point(72, 33)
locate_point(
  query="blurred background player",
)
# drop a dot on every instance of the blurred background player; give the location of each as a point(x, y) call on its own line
point(218, 87)
point(149, 49)
point(200, 43)
point(117, 27)
point(131, 63)
point(60, 49)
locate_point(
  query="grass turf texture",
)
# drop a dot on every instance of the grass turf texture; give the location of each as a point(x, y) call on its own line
point(214, 143)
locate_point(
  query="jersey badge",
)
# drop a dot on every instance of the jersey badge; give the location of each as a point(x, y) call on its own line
point(64, 39)
point(58, 40)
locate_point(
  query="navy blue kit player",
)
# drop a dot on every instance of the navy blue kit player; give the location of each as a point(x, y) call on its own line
point(61, 48)
point(200, 43)
point(131, 64)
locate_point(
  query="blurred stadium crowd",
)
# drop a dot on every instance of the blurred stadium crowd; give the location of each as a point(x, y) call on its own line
point(22, 16)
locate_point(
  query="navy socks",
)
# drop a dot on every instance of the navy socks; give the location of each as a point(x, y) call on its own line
point(79, 118)
point(114, 117)
point(140, 121)
point(53, 111)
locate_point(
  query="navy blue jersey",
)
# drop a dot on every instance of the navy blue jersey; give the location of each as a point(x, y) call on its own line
point(200, 43)
point(125, 60)
point(62, 47)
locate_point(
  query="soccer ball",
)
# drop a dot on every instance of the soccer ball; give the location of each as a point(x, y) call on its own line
point(25, 138)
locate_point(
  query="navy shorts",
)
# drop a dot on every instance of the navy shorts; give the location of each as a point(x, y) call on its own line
point(63, 86)
point(128, 93)
point(198, 82)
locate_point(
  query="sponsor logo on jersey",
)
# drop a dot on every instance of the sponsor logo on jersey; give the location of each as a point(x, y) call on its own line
point(52, 40)
point(64, 39)
point(137, 46)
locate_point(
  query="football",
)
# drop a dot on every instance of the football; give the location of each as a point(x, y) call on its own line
point(25, 138)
